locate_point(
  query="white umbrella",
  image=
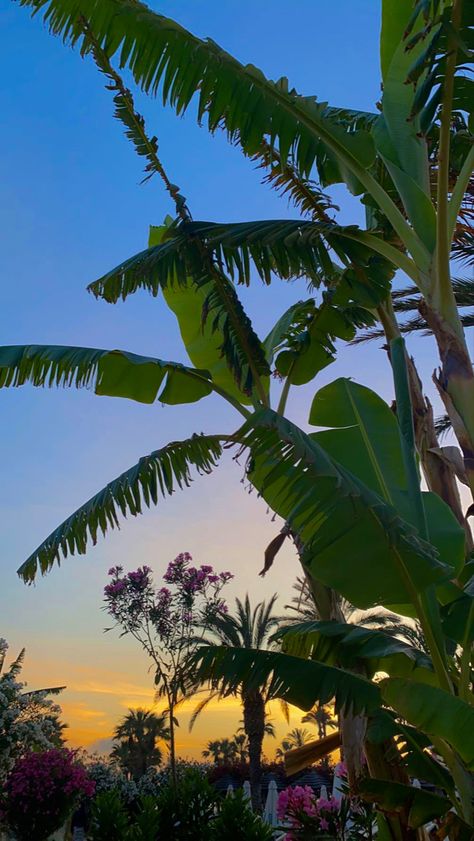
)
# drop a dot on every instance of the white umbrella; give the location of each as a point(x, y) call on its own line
point(247, 792)
point(270, 811)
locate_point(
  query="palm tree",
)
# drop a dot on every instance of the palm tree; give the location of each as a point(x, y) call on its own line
point(296, 738)
point(240, 742)
point(322, 717)
point(248, 628)
point(137, 735)
point(223, 751)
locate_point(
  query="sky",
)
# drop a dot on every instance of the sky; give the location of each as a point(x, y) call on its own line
point(72, 207)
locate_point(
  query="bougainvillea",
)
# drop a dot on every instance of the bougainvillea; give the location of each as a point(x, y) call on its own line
point(168, 621)
point(28, 720)
point(41, 791)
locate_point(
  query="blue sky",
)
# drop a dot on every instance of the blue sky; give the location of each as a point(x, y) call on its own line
point(71, 208)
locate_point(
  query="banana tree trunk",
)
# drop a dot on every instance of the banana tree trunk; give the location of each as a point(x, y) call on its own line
point(440, 477)
point(254, 726)
point(455, 382)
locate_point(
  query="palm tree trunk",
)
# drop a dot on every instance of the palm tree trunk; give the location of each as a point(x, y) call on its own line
point(254, 726)
point(172, 743)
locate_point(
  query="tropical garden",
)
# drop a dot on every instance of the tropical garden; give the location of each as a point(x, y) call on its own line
point(376, 648)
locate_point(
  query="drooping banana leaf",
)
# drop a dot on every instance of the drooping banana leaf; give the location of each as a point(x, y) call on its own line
point(435, 712)
point(346, 644)
point(295, 680)
point(203, 336)
point(354, 541)
point(113, 373)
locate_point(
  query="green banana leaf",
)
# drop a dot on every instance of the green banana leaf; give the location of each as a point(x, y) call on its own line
point(345, 644)
point(434, 711)
point(203, 343)
point(295, 680)
point(353, 540)
point(421, 806)
point(365, 438)
point(113, 373)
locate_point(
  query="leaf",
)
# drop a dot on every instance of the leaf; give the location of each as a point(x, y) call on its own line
point(452, 456)
point(347, 645)
point(353, 540)
point(214, 327)
point(420, 806)
point(156, 475)
point(366, 440)
point(299, 682)
point(433, 711)
point(113, 373)
point(287, 248)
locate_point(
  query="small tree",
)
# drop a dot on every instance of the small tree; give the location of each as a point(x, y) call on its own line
point(136, 748)
point(28, 720)
point(164, 620)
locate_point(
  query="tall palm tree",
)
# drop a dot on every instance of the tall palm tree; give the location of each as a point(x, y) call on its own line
point(137, 735)
point(322, 717)
point(296, 738)
point(240, 742)
point(248, 628)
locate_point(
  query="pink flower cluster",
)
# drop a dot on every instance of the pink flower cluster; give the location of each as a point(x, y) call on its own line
point(40, 776)
point(299, 808)
point(41, 791)
point(193, 595)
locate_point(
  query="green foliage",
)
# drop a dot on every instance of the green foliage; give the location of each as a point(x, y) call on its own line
point(296, 680)
point(345, 644)
point(204, 330)
point(435, 712)
point(237, 822)
point(366, 439)
point(353, 539)
point(113, 373)
point(421, 806)
point(186, 810)
point(109, 818)
point(155, 475)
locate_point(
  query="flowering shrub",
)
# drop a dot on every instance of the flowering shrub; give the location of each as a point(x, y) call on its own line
point(169, 621)
point(42, 790)
point(28, 720)
point(308, 816)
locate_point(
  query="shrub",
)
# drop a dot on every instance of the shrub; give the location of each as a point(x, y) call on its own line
point(236, 822)
point(109, 817)
point(41, 792)
point(187, 810)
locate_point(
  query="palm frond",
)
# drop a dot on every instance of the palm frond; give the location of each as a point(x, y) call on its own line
point(156, 475)
point(115, 373)
point(295, 680)
point(443, 425)
point(407, 300)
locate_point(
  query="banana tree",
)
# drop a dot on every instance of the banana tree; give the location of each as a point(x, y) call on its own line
point(407, 550)
point(410, 162)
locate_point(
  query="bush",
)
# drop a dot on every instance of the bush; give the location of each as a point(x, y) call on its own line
point(41, 792)
point(109, 817)
point(236, 822)
point(186, 811)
